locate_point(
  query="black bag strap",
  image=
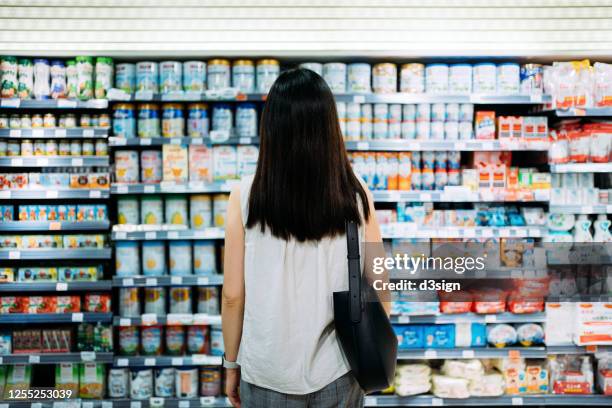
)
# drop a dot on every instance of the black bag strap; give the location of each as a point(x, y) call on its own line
point(354, 271)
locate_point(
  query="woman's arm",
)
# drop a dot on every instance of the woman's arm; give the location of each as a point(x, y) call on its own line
point(232, 311)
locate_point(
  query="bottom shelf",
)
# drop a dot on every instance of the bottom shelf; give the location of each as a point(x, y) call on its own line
point(208, 402)
point(506, 400)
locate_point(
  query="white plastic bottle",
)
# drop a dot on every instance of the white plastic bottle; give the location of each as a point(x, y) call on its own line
point(602, 229)
point(582, 229)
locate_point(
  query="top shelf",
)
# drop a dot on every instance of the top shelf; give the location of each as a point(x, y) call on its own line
point(15, 103)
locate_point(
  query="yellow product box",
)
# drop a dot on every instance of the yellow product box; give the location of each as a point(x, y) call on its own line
point(175, 163)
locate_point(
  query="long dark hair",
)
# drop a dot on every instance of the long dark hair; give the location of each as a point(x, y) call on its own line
point(304, 186)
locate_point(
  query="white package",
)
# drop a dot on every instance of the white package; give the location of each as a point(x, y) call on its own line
point(557, 331)
point(449, 387)
point(490, 385)
point(468, 369)
point(412, 379)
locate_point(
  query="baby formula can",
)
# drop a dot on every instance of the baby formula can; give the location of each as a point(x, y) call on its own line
point(436, 78)
point(408, 129)
point(423, 112)
point(180, 258)
point(175, 340)
point(438, 112)
point(267, 72)
point(384, 78)
point(428, 160)
point(460, 79)
point(151, 339)
point(148, 120)
point(484, 78)
point(153, 259)
point(129, 340)
point(453, 160)
point(208, 300)
point(217, 348)
point(125, 77)
point(409, 112)
point(164, 382)
point(440, 179)
point(508, 78)
point(218, 74)
point(353, 129)
point(127, 259)
point(359, 75)
point(219, 209)
point(313, 66)
point(104, 76)
point(85, 87)
point(353, 111)
point(222, 117)
point(451, 130)
point(200, 211)
point(395, 121)
point(246, 156)
point(366, 121)
point(173, 121)
point(25, 71)
point(42, 89)
point(101, 147)
point(176, 209)
point(437, 130)
point(129, 303)
point(204, 262)
point(180, 299)
point(58, 80)
point(466, 130)
point(186, 382)
point(117, 382)
point(141, 383)
point(197, 120)
point(147, 76)
point(128, 211)
point(124, 124)
point(151, 210)
point(423, 130)
point(246, 120)
point(334, 74)
point(243, 76)
point(452, 112)
point(197, 340)
point(126, 166)
point(531, 79)
point(194, 76)
point(412, 78)
point(210, 381)
point(440, 159)
point(381, 120)
point(150, 166)
point(170, 76)
point(155, 300)
point(466, 112)
point(427, 179)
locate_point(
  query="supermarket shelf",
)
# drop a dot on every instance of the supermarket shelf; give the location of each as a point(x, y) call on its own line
point(56, 318)
point(209, 402)
point(53, 133)
point(54, 225)
point(54, 358)
point(472, 352)
point(506, 400)
point(226, 95)
point(461, 194)
point(185, 140)
point(172, 319)
point(605, 111)
point(171, 187)
point(164, 361)
point(54, 104)
point(444, 145)
point(53, 194)
point(581, 168)
point(55, 161)
point(55, 253)
point(412, 230)
point(55, 286)
point(582, 209)
point(194, 280)
point(208, 233)
point(472, 317)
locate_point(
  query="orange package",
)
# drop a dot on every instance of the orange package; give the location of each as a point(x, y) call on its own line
point(68, 304)
point(489, 301)
point(455, 302)
point(97, 303)
point(42, 304)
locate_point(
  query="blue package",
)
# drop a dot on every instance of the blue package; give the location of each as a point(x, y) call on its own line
point(479, 335)
point(409, 336)
point(440, 336)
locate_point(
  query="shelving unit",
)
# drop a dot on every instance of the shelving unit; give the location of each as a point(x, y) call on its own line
point(167, 361)
point(55, 253)
point(193, 187)
point(508, 400)
point(54, 225)
point(401, 230)
point(21, 318)
point(55, 286)
point(54, 193)
point(208, 233)
point(445, 145)
point(55, 133)
point(581, 168)
point(54, 161)
point(55, 358)
point(53, 104)
point(185, 140)
point(141, 281)
point(472, 318)
point(170, 319)
point(208, 402)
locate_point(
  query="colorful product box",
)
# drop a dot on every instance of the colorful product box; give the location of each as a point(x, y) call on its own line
point(439, 336)
point(225, 163)
point(409, 336)
point(68, 304)
point(200, 163)
point(175, 165)
point(485, 125)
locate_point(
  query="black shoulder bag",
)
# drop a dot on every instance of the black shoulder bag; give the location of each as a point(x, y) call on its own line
point(363, 327)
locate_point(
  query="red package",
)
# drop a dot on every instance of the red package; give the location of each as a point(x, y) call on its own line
point(490, 301)
point(521, 303)
point(10, 304)
point(68, 304)
point(42, 304)
point(98, 303)
point(455, 302)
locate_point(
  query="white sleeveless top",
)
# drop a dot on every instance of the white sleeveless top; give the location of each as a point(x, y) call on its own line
point(288, 343)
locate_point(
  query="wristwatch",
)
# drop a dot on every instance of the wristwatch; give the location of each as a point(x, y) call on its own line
point(229, 364)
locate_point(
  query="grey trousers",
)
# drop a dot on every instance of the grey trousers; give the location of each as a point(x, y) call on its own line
point(342, 393)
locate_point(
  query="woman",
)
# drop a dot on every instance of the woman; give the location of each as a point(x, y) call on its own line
point(285, 255)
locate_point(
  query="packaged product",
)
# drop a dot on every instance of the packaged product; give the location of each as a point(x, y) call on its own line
point(151, 340)
point(570, 374)
point(225, 161)
point(529, 334)
point(200, 163)
point(197, 340)
point(3, 370)
point(484, 125)
point(449, 387)
point(129, 340)
point(593, 322)
point(604, 375)
point(118, 380)
point(247, 160)
point(470, 334)
point(409, 336)
point(176, 209)
point(220, 202)
point(412, 379)
point(67, 377)
point(536, 377)
point(151, 210)
point(217, 347)
point(91, 380)
point(141, 383)
point(126, 166)
point(164, 382)
point(501, 335)
point(42, 304)
point(175, 340)
point(68, 304)
point(468, 369)
point(602, 84)
point(180, 255)
point(513, 371)
point(186, 382)
point(153, 258)
point(129, 303)
point(491, 384)
point(490, 301)
point(439, 335)
point(200, 211)
point(5, 343)
point(128, 210)
point(175, 163)
point(208, 300)
point(204, 260)
point(98, 303)
point(150, 166)
point(18, 377)
point(127, 258)
point(571, 84)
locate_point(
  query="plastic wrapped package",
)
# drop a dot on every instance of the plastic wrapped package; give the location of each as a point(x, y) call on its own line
point(490, 301)
point(409, 336)
point(536, 377)
point(469, 334)
point(501, 335)
point(412, 379)
point(530, 334)
point(604, 374)
point(450, 387)
point(513, 371)
point(593, 322)
point(455, 302)
point(570, 374)
point(491, 384)
point(468, 369)
point(439, 335)
point(603, 84)
point(556, 330)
